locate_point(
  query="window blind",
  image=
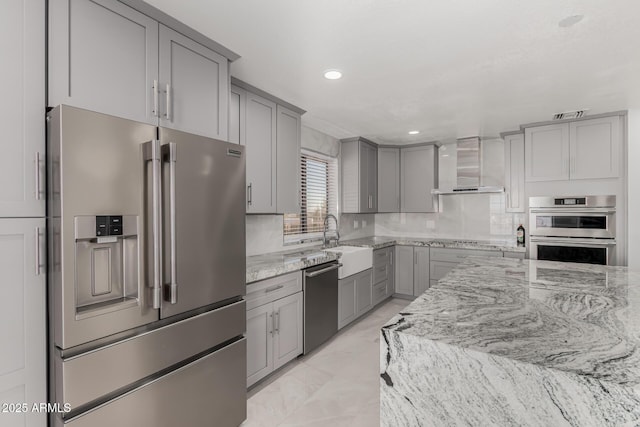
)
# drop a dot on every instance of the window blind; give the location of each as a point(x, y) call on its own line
point(318, 197)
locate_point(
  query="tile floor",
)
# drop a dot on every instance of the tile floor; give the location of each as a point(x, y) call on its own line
point(336, 385)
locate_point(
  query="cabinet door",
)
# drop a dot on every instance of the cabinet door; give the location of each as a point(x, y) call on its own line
point(260, 130)
point(237, 106)
point(363, 179)
point(388, 180)
point(547, 153)
point(287, 337)
point(514, 173)
point(372, 177)
point(22, 115)
point(346, 301)
point(195, 81)
point(404, 270)
point(420, 270)
point(288, 161)
point(259, 343)
point(595, 148)
point(23, 327)
point(418, 177)
point(364, 299)
point(103, 56)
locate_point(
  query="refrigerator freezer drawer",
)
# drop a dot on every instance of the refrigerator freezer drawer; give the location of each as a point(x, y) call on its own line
point(89, 376)
point(209, 391)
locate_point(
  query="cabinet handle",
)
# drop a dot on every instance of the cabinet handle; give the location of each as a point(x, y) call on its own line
point(273, 288)
point(391, 257)
point(169, 113)
point(155, 98)
point(37, 161)
point(277, 319)
point(272, 327)
point(249, 194)
point(37, 257)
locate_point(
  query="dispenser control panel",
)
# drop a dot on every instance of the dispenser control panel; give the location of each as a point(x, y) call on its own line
point(108, 225)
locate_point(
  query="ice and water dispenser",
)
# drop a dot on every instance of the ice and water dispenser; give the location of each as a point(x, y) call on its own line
point(106, 251)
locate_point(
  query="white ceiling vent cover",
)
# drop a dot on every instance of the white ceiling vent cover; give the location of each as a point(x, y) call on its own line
point(570, 115)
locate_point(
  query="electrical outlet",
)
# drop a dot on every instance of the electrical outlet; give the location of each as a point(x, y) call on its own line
point(355, 223)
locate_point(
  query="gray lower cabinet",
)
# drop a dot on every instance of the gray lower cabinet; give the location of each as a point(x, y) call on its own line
point(274, 324)
point(354, 297)
point(23, 362)
point(388, 179)
point(383, 274)
point(196, 86)
point(411, 270)
point(359, 179)
point(443, 260)
point(107, 57)
point(419, 175)
point(22, 164)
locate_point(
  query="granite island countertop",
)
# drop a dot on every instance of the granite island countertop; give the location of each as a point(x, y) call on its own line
point(503, 341)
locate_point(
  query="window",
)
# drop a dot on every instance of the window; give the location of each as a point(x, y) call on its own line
point(318, 197)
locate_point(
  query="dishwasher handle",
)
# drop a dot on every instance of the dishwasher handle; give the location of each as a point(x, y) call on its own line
point(324, 270)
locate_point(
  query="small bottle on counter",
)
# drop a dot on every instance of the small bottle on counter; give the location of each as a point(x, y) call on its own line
point(520, 235)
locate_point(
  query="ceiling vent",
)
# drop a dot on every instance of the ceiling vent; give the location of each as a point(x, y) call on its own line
point(570, 115)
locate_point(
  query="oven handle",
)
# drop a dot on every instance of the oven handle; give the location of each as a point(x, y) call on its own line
point(574, 242)
point(573, 211)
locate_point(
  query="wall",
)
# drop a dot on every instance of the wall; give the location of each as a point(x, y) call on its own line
point(633, 202)
point(264, 232)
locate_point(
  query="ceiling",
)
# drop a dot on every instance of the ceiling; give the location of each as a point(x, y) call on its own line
point(449, 68)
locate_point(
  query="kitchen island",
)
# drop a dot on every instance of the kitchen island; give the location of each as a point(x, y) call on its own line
point(503, 341)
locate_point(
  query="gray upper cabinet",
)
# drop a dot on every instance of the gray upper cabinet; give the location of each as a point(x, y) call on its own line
point(195, 81)
point(237, 118)
point(359, 176)
point(22, 164)
point(388, 179)
point(260, 139)
point(514, 173)
point(547, 153)
point(582, 149)
point(288, 125)
point(103, 56)
point(419, 175)
point(107, 57)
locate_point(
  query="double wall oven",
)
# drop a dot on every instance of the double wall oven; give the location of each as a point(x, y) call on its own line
point(573, 229)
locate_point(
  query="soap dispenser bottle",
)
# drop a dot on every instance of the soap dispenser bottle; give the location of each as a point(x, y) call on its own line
point(520, 235)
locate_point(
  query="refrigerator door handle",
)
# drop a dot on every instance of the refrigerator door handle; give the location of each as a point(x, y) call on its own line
point(153, 154)
point(169, 155)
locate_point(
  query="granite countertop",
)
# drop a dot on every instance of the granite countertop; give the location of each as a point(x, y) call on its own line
point(578, 318)
point(261, 267)
point(378, 242)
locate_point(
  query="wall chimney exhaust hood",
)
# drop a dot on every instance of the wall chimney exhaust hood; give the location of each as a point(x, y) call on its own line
point(468, 170)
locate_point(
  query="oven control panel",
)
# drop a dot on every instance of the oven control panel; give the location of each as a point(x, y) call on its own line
point(572, 201)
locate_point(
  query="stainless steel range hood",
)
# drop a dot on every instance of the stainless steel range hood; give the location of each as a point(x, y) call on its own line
point(468, 170)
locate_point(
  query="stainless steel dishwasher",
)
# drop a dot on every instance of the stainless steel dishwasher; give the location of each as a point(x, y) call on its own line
point(320, 304)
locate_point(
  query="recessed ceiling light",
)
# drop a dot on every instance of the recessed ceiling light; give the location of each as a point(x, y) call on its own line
point(570, 21)
point(332, 74)
point(414, 132)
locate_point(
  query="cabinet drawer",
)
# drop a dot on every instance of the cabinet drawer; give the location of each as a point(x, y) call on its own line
point(380, 291)
point(269, 290)
point(380, 257)
point(380, 273)
point(458, 255)
point(439, 269)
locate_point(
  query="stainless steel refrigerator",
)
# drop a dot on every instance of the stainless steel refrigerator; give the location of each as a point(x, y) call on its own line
point(147, 274)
